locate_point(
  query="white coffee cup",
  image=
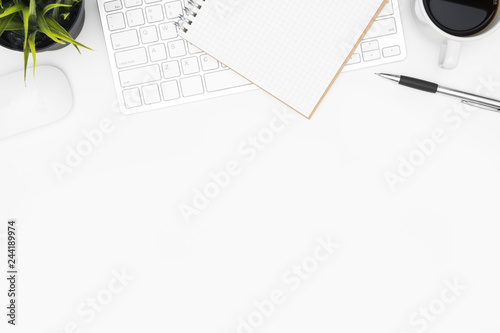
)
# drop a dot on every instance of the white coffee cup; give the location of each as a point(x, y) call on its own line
point(451, 45)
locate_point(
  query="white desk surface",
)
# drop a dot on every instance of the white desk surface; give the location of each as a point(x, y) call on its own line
point(119, 209)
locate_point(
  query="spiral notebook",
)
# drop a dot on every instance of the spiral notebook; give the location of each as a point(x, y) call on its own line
point(293, 49)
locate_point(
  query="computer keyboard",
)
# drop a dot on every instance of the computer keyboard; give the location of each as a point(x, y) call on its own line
point(384, 43)
point(153, 68)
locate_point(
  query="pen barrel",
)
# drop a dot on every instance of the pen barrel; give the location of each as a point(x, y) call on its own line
point(471, 99)
point(418, 84)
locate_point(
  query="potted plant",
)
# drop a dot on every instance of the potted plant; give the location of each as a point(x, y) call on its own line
point(32, 26)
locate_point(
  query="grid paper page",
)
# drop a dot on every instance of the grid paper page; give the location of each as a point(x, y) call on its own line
point(292, 49)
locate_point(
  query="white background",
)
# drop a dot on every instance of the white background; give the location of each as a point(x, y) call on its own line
point(119, 209)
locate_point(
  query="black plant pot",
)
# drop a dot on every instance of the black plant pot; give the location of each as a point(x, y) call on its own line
point(73, 24)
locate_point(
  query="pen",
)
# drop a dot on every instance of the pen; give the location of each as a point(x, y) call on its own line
point(467, 98)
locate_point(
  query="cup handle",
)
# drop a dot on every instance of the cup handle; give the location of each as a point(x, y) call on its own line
point(450, 54)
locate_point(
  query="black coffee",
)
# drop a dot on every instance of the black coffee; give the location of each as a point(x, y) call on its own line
point(461, 17)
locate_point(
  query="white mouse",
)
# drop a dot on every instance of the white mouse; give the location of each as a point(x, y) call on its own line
point(43, 100)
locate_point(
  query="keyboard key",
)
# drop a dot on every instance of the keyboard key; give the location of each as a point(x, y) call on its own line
point(116, 21)
point(173, 9)
point(224, 80)
point(122, 40)
point(355, 59)
point(391, 51)
point(149, 35)
point(193, 49)
point(111, 6)
point(157, 52)
point(151, 94)
point(131, 58)
point(171, 69)
point(369, 46)
point(152, 1)
point(190, 65)
point(132, 3)
point(135, 17)
point(192, 86)
point(139, 75)
point(208, 63)
point(388, 9)
point(382, 27)
point(176, 49)
point(168, 30)
point(154, 14)
point(170, 90)
point(371, 55)
point(132, 98)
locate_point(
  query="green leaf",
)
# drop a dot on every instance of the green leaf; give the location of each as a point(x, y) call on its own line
point(62, 34)
point(54, 25)
point(15, 24)
point(32, 11)
point(26, 56)
point(4, 23)
point(26, 15)
point(31, 42)
point(42, 24)
point(55, 12)
point(52, 6)
point(11, 10)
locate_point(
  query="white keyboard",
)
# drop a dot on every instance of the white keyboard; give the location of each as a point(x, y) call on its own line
point(153, 68)
point(384, 43)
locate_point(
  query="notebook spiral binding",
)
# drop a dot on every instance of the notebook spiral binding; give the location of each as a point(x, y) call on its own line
point(190, 12)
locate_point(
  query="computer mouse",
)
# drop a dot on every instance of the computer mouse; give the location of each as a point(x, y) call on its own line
point(44, 99)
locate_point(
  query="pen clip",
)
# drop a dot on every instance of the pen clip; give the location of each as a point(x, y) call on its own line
point(480, 105)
